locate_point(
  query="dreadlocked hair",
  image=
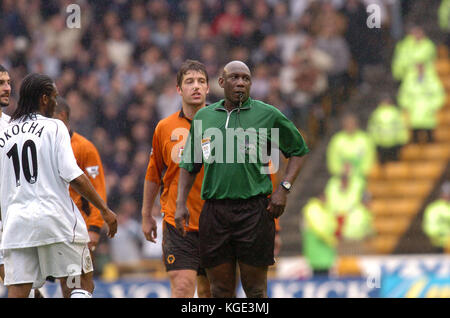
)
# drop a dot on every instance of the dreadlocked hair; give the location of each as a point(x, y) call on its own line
point(32, 88)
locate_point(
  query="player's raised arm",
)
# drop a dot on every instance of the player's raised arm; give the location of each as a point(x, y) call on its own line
point(84, 187)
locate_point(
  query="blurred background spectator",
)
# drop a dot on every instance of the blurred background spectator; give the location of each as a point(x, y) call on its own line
point(415, 48)
point(318, 235)
point(350, 150)
point(436, 221)
point(444, 19)
point(421, 95)
point(388, 129)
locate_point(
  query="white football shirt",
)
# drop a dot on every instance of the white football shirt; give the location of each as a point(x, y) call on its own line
point(36, 165)
point(4, 122)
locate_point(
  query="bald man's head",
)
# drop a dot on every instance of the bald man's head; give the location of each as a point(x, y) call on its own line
point(236, 66)
point(236, 81)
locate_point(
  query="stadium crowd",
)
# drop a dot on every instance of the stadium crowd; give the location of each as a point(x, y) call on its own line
point(117, 72)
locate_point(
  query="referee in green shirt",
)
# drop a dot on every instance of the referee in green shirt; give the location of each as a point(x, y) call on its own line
point(233, 139)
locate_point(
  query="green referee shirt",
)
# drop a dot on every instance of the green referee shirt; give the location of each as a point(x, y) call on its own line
point(234, 147)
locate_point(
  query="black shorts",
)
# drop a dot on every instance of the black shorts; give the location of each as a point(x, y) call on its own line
point(240, 230)
point(181, 252)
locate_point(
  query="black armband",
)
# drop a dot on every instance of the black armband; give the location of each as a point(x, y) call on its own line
point(94, 228)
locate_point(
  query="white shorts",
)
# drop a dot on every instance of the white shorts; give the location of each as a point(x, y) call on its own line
point(36, 264)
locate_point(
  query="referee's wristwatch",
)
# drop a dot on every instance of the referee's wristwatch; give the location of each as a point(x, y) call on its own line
point(286, 185)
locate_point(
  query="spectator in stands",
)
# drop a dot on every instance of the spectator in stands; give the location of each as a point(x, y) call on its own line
point(415, 48)
point(304, 80)
point(444, 15)
point(389, 130)
point(436, 220)
point(444, 19)
point(311, 78)
point(325, 17)
point(229, 23)
point(209, 58)
point(119, 48)
point(343, 194)
point(193, 17)
point(318, 236)
point(351, 148)
point(365, 44)
point(356, 14)
point(298, 7)
point(261, 82)
point(290, 40)
point(137, 23)
point(268, 53)
point(358, 224)
point(421, 95)
point(333, 43)
point(281, 16)
point(162, 36)
point(263, 17)
point(58, 37)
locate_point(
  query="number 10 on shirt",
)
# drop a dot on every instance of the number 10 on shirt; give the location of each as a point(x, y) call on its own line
point(13, 153)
